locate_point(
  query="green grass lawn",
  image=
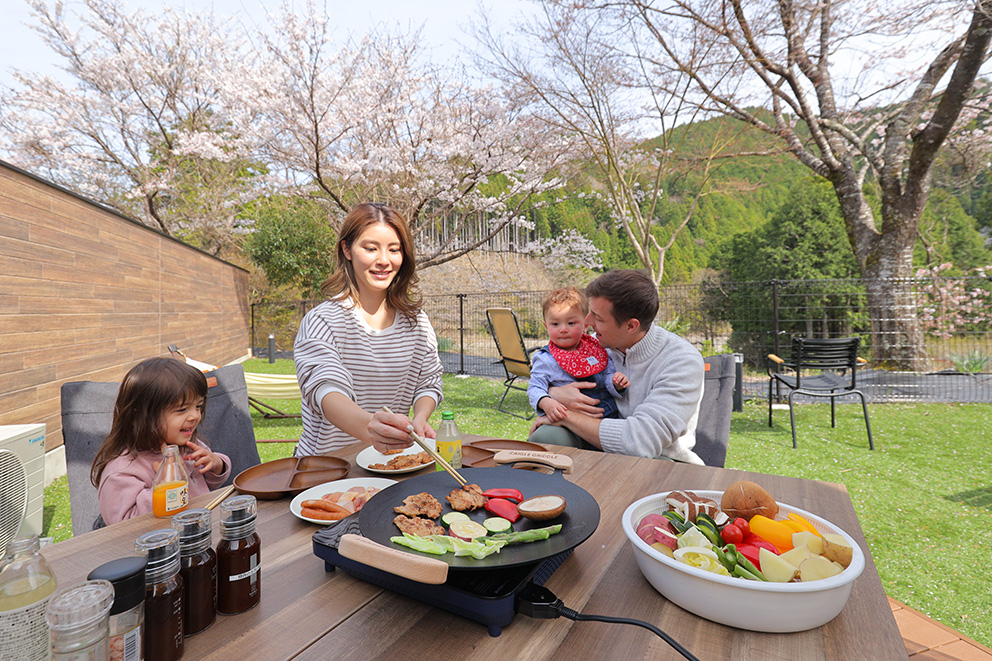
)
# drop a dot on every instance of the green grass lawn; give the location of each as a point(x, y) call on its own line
point(923, 496)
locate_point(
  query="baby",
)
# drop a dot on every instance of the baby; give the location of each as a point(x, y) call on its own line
point(571, 355)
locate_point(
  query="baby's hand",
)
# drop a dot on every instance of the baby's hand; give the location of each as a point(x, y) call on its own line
point(620, 381)
point(205, 460)
point(555, 410)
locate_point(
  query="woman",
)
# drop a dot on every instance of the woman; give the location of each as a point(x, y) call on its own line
point(370, 345)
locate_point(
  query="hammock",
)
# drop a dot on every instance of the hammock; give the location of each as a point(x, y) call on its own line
point(260, 386)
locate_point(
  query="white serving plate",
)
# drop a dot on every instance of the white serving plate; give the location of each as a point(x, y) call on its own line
point(751, 605)
point(370, 456)
point(313, 493)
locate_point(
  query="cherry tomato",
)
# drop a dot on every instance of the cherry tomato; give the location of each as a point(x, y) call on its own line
point(742, 525)
point(731, 534)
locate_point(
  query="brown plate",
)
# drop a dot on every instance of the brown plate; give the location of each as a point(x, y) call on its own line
point(497, 444)
point(476, 457)
point(289, 476)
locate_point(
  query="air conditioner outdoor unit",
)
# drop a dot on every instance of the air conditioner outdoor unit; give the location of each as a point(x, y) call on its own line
point(27, 442)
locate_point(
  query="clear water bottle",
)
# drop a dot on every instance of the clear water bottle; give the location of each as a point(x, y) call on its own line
point(449, 441)
point(26, 586)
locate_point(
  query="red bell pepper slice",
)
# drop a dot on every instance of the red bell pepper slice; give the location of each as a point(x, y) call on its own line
point(751, 546)
point(504, 508)
point(509, 494)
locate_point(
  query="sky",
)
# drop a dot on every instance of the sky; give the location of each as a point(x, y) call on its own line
point(443, 23)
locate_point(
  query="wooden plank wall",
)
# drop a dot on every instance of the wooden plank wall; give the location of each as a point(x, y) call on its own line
point(86, 293)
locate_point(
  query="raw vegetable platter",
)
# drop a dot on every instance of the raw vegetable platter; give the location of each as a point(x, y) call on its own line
point(751, 605)
point(579, 521)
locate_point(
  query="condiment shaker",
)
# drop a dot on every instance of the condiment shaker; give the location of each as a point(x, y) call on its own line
point(79, 622)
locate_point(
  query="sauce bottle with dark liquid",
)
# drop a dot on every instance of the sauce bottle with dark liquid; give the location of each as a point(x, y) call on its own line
point(163, 595)
point(239, 557)
point(198, 568)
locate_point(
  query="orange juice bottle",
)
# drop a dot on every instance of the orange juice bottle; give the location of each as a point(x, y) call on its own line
point(170, 488)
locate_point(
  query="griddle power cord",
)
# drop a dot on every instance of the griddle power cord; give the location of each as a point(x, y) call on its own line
point(541, 603)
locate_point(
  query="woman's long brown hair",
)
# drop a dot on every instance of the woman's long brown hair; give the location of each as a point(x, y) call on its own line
point(402, 294)
point(149, 390)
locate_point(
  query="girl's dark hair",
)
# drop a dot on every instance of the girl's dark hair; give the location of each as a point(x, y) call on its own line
point(148, 391)
point(402, 293)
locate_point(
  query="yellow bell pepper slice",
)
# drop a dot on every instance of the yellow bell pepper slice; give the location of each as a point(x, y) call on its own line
point(804, 523)
point(775, 532)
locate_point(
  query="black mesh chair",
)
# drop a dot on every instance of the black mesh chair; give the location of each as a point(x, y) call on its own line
point(837, 362)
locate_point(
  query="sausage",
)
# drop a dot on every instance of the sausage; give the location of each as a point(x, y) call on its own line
point(321, 515)
point(326, 506)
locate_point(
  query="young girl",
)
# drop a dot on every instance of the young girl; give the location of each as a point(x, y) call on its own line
point(370, 345)
point(161, 402)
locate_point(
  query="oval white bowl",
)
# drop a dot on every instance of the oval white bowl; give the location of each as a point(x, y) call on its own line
point(751, 605)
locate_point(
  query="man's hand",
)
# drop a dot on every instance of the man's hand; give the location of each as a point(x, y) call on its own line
point(539, 421)
point(571, 396)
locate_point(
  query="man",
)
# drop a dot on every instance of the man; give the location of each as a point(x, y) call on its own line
point(661, 406)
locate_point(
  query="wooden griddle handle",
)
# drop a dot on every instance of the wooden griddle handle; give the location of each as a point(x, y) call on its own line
point(561, 462)
point(413, 567)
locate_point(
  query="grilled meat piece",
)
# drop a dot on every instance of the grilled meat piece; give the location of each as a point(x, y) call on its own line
point(467, 498)
point(417, 526)
point(420, 504)
point(404, 461)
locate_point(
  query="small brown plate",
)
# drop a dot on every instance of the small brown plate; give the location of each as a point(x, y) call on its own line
point(475, 457)
point(496, 444)
point(289, 476)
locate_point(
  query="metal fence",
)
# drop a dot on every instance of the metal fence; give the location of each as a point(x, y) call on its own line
point(749, 318)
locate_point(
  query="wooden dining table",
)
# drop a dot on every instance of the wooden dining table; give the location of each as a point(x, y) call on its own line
point(307, 612)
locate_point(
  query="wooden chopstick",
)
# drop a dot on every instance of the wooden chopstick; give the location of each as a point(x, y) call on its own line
point(438, 458)
point(221, 496)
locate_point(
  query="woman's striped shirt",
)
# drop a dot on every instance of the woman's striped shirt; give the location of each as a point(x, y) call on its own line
point(337, 351)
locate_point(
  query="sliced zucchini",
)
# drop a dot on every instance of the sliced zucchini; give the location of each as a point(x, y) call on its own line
point(497, 524)
point(451, 517)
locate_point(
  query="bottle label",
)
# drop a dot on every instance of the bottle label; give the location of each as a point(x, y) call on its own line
point(126, 646)
point(24, 633)
point(251, 572)
point(451, 450)
point(177, 498)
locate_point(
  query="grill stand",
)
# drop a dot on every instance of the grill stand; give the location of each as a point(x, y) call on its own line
point(486, 596)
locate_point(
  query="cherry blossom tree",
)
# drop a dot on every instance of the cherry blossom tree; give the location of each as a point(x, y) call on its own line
point(139, 127)
point(375, 121)
point(835, 81)
point(567, 66)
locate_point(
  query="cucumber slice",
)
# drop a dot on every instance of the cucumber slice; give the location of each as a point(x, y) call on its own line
point(451, 517)
point(497, 524)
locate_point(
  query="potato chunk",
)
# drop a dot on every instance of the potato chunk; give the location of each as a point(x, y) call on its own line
point(836, 548)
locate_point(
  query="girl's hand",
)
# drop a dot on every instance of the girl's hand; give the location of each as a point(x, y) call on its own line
point(205, 460)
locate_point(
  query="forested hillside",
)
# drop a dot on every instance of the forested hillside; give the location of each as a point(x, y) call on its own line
point(746, 191)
